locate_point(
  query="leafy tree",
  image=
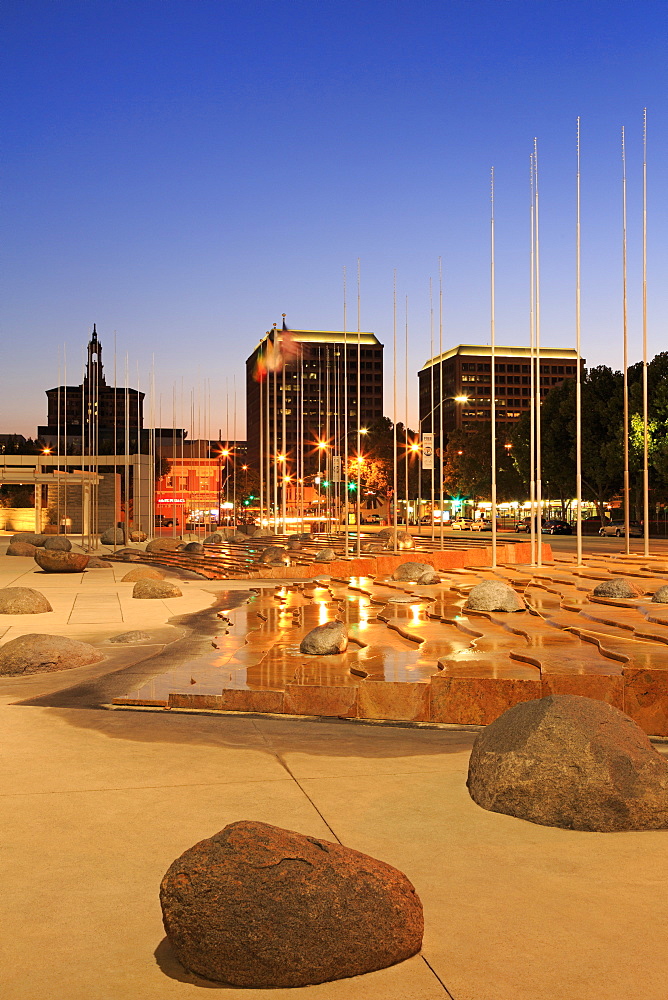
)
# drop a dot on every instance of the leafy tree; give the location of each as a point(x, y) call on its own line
point(602, 439)
point(468, 466)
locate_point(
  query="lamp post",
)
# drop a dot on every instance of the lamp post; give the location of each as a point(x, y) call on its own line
point(457, 399)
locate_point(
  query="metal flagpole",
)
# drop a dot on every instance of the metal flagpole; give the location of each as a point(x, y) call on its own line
point(578, 376)
point(358, 516)
point(539, 483)
point(627, 497)
point(532, 350)
point(406, 410)
point(346, 408)
point(431, 355)
point(261, 455)
point(394, 417)
point(493, 373)
point(645, 414)
point(284, 444)
point(275, 438)
point(440, 393)
point(234, 450)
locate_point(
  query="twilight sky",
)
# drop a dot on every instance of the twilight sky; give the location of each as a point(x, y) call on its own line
point(181, 172)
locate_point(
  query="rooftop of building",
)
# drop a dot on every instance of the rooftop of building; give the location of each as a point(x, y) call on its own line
point(484, 351)
point(351, 337)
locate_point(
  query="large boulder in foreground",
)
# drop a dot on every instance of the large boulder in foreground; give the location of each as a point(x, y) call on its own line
point(21, 549)
point(35, 654)
point(22, 601)
point(154, 589)
point(492, 595)
point(325, 640)
point(61, 562)
point(619, 588)
point(571, 762)
point(257, 906)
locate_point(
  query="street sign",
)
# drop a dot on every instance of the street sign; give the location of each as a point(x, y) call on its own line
point(336, 468)
point(427, 451)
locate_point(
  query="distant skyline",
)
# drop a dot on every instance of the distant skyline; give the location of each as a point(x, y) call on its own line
point(182, 173)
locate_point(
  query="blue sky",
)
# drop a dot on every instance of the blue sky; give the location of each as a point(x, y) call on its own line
point(181, 173)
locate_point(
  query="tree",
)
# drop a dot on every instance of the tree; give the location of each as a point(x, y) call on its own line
point(468, 466)
point(602, 439)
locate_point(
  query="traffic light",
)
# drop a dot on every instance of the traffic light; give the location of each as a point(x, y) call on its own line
point(352, 487)
point(325, 482)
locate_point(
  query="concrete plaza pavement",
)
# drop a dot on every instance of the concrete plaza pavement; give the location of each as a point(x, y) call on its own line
point(96, 804)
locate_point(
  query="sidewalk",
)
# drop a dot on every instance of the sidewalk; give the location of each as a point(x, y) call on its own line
point(96, 804)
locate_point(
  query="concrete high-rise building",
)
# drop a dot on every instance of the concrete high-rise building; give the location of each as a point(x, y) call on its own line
point(459, 381)
point(309, 390)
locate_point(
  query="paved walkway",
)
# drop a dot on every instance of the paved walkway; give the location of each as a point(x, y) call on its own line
point(96, 804)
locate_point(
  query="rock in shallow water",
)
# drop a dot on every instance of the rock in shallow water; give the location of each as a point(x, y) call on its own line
point(661, 596)
point(492, 595)
point(570, 762)
point(258, 906)
point(32, 654)
point(325, 640)
point(126, 638)
point(619, 588)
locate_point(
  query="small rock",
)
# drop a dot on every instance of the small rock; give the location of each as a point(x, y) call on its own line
point(22, 601)
point(127, 638)
point(194, 548)
point(404, 541)
point(661, 596)
point(294, 544)
point(138, 536)
point(570, 762)
point(214, 539)
point(164, 545)
point(325, 555)
point(29, 537)
point(239, 538)
point(413, 571)
point(129, 555)
point(113, 536)
point(96, 563)
point(325, 640)
point(143, 573)
point(273, 553)
point(21, 549)
point(492, 595)
point(58, 543)
point(619, 588)
point(61, 562)
point(259, 907)
point(151, 589)
point(32, 654)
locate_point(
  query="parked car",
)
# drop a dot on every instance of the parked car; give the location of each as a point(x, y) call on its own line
point(524, 524)
point(162, 521)
point(482, 524)
point(557, 528)
point(618, 529)
point(462, 524)
point(372, 519)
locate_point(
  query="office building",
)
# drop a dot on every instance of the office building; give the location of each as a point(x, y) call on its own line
point(305, 387)
point(459, 381)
